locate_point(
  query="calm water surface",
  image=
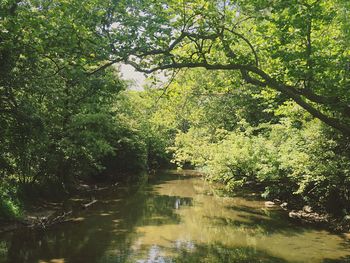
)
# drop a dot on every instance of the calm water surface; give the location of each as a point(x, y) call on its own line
point(177, 218)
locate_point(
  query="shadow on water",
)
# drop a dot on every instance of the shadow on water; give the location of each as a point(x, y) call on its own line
point(137, 224)
point(108, 225)
point(340, 260)
point(213, 253)
point(217, 253)
point(263, 220)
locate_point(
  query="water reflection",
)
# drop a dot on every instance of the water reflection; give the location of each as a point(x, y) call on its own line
point(174, 219)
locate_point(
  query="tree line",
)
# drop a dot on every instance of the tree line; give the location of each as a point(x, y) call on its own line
point(272, 107)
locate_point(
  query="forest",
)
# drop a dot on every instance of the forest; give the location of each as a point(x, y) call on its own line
point(256, 94)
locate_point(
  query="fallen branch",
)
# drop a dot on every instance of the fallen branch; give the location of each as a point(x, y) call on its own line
point(46, 221)
point(84, 206)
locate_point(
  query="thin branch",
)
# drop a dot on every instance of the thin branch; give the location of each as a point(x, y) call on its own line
point(104, 66)
point(291, 92)
point(248, 43)
point(144, 53)
point(165, 89)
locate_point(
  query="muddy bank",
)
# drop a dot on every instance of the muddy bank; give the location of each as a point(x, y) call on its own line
point(307, 215)
point(43, 213)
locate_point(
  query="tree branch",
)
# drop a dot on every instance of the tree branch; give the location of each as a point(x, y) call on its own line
point(246, 70)
point(248, 43)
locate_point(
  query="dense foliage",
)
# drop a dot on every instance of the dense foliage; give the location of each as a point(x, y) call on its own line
point(279, 114)
point(61, 113)
point(276, 146)
point(280, 44)
point(272, 110)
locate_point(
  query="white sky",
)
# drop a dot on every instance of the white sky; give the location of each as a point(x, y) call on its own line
point(137, 79)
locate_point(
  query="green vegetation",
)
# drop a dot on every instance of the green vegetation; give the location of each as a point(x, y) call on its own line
point(290, 156)
point(259, 94)
point(62, 115)
point(255, 137)
point(9, 205)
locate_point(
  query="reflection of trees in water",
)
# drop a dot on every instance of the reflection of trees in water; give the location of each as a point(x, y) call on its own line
point(258, 222)
point(182, 202)
point(160, 210)
point(215, 253)
point(81, 242)
point(340, 260)
point(106, 234)
point(3, 249)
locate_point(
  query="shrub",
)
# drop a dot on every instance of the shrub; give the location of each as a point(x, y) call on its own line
point(9, 205)
point(302, 163)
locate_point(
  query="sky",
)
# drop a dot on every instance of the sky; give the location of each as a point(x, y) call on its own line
point(137, 79)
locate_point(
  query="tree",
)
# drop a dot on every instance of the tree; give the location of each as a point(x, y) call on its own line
point(300, 48)
point(54, 88)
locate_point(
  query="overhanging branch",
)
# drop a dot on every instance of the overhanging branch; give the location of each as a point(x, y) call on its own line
point(266, 80)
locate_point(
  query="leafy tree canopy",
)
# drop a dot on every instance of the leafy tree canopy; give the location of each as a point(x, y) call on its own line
point(299, 48)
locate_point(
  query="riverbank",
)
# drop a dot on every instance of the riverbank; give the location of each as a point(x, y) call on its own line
point(295, 209)
point(303, 214)
point(307, 215)
point(40, 213)
point(43, 214)
point(174, 218)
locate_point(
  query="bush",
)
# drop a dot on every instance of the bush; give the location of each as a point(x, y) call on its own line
point(9, 205)
point(301, 163)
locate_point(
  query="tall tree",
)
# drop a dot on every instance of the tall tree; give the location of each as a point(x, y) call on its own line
point(299, 48)
point(53, 86)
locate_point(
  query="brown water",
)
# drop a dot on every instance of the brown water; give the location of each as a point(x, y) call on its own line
point(174, 219)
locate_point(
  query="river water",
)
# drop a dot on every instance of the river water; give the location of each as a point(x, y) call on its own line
point(176, 218)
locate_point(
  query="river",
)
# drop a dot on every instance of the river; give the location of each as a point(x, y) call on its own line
point(176, 218)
